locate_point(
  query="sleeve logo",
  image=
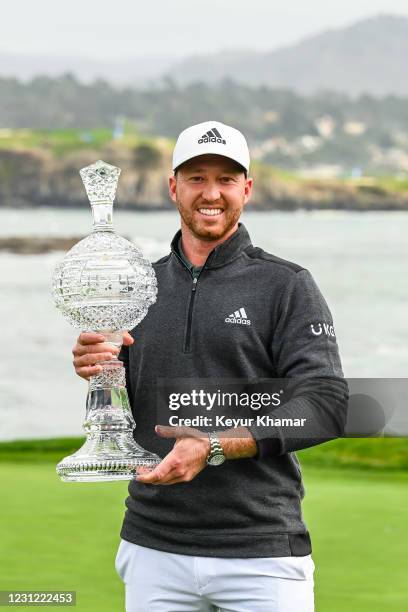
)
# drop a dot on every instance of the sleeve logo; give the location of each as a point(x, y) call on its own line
point(319, 328)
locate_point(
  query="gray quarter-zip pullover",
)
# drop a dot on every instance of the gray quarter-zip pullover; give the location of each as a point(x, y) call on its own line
point(246, 507)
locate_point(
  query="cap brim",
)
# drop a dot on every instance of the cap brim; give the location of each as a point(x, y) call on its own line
point(208, 151)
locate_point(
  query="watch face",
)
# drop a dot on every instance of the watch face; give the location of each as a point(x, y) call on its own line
point(217, 459)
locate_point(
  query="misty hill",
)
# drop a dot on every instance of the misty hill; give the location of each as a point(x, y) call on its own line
point(137, 70)
point(369, 56)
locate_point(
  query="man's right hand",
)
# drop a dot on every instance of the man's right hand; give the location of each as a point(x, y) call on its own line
point(91, 349)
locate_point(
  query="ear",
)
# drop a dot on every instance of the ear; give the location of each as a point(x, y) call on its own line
point(172, 188)
point(248, 189)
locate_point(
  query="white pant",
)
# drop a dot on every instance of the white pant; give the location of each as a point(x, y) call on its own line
point(158, 581)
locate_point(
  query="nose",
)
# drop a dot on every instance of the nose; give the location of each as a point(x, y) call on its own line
point(211, 192)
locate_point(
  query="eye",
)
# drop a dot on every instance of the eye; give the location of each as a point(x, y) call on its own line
point(196, 179)
point(227, 179)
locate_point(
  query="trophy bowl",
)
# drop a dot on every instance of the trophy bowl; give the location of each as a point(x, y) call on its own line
point(105, 285)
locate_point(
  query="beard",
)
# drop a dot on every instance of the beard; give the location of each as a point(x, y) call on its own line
point(200, 229)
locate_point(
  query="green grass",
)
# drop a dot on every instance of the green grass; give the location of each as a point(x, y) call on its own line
point(374, 453)
point(393, 183)
point(60, 142)
point(64, 536)
point(60, 536)
point(358, 522)
point(379, 454)
point(39, 450)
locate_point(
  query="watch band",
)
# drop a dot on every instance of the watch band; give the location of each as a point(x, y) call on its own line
point(216, 455)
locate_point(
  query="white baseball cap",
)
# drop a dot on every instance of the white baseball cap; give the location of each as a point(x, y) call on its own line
point(211, 137)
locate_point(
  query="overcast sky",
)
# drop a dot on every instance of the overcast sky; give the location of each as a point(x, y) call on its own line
point(122, 29)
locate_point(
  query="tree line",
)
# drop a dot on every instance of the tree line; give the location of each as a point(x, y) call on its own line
point(165, 108)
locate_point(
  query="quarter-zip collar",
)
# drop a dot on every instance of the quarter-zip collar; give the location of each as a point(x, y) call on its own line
point(225, 252)
point(195, 270)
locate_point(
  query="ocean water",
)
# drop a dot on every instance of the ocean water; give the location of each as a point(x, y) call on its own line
point(359, 261)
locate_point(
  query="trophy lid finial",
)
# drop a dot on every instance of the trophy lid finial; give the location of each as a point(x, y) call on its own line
point(101, 181)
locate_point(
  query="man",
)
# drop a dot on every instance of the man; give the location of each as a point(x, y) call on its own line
point(200, 533)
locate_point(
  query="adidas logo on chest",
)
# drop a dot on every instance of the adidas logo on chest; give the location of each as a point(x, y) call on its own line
point(239, 317)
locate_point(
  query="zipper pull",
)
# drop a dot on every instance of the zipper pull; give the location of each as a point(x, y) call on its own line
point(194, 283)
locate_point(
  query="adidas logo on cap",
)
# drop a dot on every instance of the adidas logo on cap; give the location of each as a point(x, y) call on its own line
point(212, 135)
point(217, 139)
point(239, 317)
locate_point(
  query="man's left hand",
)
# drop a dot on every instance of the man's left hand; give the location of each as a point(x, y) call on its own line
point(185, 460)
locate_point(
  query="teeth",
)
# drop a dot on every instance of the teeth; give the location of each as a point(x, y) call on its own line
point(211, 212)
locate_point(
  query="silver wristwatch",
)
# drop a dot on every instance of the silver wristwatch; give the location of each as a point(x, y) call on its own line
point(216, 455)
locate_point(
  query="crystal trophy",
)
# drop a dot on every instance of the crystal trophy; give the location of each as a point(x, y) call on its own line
point(105, 285)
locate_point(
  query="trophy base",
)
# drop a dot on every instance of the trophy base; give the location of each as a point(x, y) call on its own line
point(104, 458)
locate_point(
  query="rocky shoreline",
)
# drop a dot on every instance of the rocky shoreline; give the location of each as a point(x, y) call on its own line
point(35, 177)
point(30, 245)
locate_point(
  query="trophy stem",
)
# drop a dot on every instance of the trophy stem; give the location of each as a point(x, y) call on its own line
point(102, 216)
point(110, 451)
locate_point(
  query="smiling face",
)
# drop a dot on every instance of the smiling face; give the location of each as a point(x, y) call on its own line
point(210, 192)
